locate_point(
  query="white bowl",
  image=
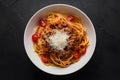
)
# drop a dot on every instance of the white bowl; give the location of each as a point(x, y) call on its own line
point(30, 29)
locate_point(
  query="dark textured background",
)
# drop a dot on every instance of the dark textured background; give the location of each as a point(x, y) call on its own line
point(105, 63)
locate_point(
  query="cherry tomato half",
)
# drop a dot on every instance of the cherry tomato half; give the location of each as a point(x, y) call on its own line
point(44, 58)
point(42, 22)
point(35, 37)
point(76, 55)
point(83, 51)
point(70, 18)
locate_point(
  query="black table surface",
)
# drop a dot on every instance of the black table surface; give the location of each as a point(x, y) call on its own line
point(14, 63)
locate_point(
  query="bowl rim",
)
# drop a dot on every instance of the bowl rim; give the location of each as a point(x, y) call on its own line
point(53, 5)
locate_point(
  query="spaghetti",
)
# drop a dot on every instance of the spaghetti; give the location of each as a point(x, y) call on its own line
point(60, 39)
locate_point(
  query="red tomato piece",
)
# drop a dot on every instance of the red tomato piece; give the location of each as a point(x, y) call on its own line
point(44, 58)
point(35, 37)
point(83, 51)
point(42, 22)
point(70, 18)
point(76, 55)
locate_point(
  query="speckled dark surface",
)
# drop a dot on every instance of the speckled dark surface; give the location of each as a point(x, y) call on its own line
point(105, 63)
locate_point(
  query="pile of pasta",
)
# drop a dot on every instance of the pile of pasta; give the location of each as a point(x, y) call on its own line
point(68, 50)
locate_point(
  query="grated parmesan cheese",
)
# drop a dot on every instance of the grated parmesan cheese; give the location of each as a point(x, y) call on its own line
point(59, 40)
